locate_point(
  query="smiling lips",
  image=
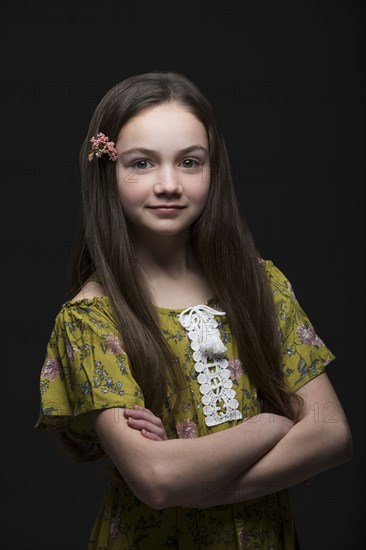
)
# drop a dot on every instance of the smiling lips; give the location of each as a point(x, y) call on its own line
point(166, 206)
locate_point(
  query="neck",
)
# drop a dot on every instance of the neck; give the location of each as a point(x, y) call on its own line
point(165, 255)
point(171, 271)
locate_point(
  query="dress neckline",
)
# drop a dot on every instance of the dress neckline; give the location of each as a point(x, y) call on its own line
point(105, 300)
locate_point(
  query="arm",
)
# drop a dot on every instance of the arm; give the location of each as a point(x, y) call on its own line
point(319, 441)
point(171, 473)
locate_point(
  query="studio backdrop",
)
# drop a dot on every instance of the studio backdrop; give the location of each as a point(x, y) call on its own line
point(286, 79)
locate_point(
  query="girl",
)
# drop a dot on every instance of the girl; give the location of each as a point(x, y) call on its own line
point(180, 354)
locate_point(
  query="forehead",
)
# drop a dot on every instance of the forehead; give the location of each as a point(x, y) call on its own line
point(159, 123)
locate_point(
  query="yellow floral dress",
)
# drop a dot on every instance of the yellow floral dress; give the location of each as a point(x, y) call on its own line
point(86, 368)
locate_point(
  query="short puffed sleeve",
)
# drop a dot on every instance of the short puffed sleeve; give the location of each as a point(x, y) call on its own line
point(85, 368)
point(304, 354)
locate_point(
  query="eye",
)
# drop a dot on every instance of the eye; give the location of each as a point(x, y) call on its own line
point(190, 163)
point(140, 164)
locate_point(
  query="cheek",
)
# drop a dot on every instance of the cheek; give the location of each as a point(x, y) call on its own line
point(127, 186)
point(199, 193)
point(130, 193)
point(129, 201)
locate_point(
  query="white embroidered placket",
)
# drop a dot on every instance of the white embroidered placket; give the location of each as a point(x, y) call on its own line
point(218, 396)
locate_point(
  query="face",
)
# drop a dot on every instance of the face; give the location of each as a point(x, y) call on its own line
point(162, 170)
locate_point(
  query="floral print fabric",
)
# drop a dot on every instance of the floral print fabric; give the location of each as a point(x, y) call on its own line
point(86, 369)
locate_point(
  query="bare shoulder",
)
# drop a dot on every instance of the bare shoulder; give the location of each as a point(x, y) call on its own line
point(90, 290)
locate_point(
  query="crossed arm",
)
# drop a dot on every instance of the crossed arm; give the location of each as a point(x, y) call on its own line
point(259, 456)
point(320, 441)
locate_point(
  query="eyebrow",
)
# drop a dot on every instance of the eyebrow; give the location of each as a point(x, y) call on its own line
point(145, 151)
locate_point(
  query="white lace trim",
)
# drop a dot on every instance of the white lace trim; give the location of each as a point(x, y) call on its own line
point(218, 396)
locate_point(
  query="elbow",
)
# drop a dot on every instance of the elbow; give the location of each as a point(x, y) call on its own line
point(151, 496)
point(158, 503)
point(346, 446)
point(342, 444)
point(156, 495)
point(151, 487)
point(158, 498)
point(166, 487)
point(154, 500)
point(161, 488)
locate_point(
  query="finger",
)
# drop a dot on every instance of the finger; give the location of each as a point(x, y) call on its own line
point(145, 415)
point(139, 424)
point(150, 435)
point(138, 407)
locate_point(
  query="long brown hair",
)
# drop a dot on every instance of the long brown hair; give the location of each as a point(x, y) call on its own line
point(220, 238)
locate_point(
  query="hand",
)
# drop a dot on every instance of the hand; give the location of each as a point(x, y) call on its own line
point(149, 425)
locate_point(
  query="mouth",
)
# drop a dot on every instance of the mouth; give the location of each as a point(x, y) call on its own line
point(166, 208)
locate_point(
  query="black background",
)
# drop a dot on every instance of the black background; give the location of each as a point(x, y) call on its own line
point(287, 81)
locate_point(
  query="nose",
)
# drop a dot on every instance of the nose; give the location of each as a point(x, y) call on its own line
point(168, 181)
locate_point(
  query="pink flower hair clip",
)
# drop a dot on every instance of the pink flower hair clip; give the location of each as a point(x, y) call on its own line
point(102, 146)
